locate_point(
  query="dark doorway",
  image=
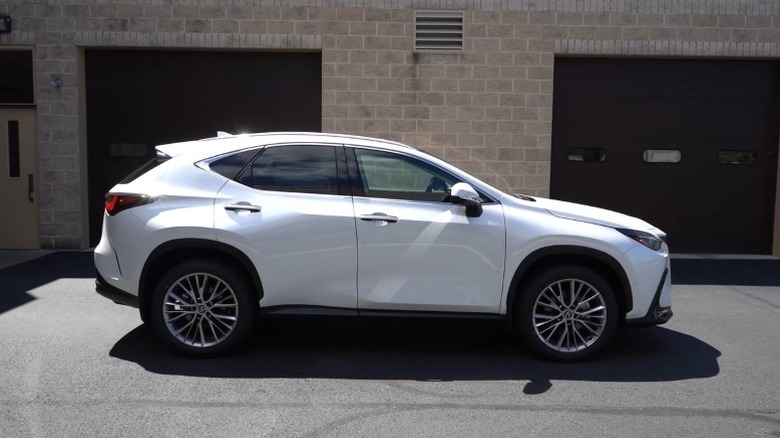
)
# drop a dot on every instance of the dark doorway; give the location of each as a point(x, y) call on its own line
point(689, 145)
point(139, 99)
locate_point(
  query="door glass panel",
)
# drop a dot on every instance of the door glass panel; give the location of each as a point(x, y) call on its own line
point(13, 149)
point(395, 176)
point(736, 157)
point(661, 156)
point(305, 169)
point(586, 154)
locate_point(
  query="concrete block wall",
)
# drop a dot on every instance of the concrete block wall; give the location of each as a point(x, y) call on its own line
point(487, 108)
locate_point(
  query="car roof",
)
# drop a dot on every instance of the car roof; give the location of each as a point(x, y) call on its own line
point(223, 144)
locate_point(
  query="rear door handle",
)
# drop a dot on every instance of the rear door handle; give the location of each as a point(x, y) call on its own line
point(379, 217)
point(243, 206)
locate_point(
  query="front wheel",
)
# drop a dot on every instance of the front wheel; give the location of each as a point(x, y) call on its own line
point(567, 313)
point(203, 308)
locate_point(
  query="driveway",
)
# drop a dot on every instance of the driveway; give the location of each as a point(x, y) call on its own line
point(75, 364)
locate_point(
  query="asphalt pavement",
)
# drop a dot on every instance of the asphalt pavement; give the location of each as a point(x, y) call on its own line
point(74, 364)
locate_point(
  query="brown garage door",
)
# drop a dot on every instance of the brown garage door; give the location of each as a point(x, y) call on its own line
point(139, 99)
point(690, 146)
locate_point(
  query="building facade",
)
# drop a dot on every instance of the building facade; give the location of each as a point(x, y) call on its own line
point(489, 101)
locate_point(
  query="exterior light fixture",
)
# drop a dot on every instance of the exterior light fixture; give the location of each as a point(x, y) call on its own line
point(5, 23)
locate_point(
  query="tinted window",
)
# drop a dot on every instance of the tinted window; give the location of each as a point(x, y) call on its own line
point(586, 154)
point(306, 169)
point(387, 175)
point(231, 165)
point(736, 157)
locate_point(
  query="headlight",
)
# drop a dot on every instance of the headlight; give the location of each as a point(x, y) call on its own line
point(646, 239)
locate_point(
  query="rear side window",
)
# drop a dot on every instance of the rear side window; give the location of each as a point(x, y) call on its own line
point(230, 166)
point(303, 169)
point(149, 165)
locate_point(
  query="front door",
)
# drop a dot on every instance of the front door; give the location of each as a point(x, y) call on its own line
point(417, 252)
point(19, 224)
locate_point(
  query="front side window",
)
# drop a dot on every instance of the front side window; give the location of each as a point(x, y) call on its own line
point(304, 169)
point(395, 176)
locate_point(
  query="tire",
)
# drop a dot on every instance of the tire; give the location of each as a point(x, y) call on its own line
point(566, 313)
point(211, 322)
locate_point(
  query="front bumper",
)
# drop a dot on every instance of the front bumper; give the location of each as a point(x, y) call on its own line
point(656, 314)
point(113, 293)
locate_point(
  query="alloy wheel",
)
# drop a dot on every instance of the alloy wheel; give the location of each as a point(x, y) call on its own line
point(569, 315)
point(200, 310)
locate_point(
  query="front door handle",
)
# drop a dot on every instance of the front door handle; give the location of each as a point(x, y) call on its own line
point(30, 187)
point(243, 206)
point(379, 217)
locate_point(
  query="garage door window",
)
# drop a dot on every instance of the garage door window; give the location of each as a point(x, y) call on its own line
point(736, 157)
point(661, 156)
point(586, 154)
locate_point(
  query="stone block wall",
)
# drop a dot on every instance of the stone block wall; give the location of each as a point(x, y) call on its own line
point(487, 108)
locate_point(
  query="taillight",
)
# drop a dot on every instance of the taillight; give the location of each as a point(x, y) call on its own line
point(116, 202)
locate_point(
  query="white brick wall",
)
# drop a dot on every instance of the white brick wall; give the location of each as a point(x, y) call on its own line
point(487, 108)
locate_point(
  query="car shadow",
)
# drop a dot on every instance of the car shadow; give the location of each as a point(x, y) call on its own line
point(424, 350)
point(17, 280)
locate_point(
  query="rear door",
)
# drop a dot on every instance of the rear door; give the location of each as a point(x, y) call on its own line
point(289, 212)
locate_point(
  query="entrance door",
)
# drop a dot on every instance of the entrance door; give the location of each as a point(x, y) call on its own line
point(19, 224)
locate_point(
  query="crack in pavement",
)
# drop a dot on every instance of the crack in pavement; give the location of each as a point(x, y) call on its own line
point(381, 408)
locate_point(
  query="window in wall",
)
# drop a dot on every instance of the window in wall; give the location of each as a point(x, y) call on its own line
point(736, 157)
point(16, 77)
point(304, 169)
point(661, 156)
point(586, 154)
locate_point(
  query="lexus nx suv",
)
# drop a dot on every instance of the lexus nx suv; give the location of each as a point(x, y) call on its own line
point(213, 234)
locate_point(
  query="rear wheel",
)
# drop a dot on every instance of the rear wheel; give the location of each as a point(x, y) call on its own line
point(203, 307)
point(567, 312)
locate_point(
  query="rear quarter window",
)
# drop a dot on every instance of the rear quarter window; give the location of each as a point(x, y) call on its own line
point(230, 166)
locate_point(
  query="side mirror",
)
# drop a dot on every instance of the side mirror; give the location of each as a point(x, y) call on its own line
point(463, 194)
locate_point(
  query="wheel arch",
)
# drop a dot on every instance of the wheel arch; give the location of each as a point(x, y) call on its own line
point(599, 261)
point(172, 252)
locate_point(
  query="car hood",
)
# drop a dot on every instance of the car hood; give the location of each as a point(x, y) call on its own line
point(595, 215)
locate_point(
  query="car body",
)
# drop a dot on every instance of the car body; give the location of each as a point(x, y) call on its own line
point(216, 232)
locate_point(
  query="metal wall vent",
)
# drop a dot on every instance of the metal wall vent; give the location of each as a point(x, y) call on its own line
point(438, 30)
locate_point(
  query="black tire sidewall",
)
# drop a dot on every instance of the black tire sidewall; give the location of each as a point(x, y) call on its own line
point(247, 306)
point(524, 323)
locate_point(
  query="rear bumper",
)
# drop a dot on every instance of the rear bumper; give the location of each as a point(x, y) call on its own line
point(113, 293)
point(656, 314)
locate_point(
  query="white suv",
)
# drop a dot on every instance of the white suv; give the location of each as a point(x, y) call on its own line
point(214, 233)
